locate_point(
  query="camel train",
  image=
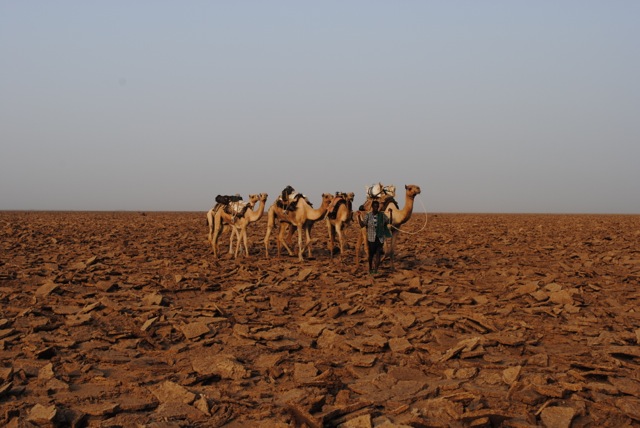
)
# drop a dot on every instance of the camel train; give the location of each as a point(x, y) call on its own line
point(294, 215)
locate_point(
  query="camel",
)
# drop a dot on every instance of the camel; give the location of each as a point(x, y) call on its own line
point(218, 216)
point(398, 218)
point(338, 221)
point(302, 218)
point(240, 225)
point(221, 201)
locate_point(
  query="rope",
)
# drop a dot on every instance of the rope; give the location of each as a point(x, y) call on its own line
point(423, 226)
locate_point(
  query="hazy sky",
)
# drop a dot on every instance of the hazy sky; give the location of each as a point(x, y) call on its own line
point(489, 106)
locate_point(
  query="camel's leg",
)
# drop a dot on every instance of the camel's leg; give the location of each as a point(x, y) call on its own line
point(279, 241)
point(362, 242)
point(300, 247)
point(340, 239)
point(308, 235)
point(285, 227)
point(210, 223)
point(266, 241)
point(392, 244)
point(270, 224)
point(241, 239)
point(243, 234)
point(309, 225)
point(331, 237)
point(234, 231)
point(214, 240)
point(288, 229)
point(358, 244)
point(291, 229)
point(363, 233)
point(238, 242)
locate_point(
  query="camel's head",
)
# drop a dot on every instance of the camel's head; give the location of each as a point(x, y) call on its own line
point(351, 196)
point(253, 199)
point(412, 190)
point(263, 197)
point(326, 199)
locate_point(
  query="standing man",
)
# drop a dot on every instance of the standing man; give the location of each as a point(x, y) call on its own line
point(377, 230)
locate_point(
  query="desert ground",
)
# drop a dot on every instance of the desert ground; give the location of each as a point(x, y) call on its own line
point(126, 319)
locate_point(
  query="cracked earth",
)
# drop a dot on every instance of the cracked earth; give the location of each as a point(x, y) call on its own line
point(127, 320)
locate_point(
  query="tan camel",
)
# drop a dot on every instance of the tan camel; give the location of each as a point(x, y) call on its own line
point(241, 224)
point(341, 219)
point(301, 218)
point(218, 216)
point(398, 218)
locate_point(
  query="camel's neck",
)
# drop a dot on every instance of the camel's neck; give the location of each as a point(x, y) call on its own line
point(402, 216)
point(254, 216)
point(315, 215)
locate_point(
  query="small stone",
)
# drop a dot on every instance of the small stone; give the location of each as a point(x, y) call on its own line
point(557, 417)
point(312, 330)
point(334, 312)
point(194, 330)
point(40, 414)
point(153, 299)
point(47, 288)
point(630, 406)
point(203, 405)
point(511, 374)
point(400, 345)
point(172, 392)
point(46, 372)
point(562, 297)
point(363, 421)
point(304, 274)
point(148, 323)
point(411, 299)
point(225, 366)
point(100, 409)
point(304, 372)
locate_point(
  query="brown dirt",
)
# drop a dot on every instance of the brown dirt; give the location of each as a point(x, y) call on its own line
point(126, 319)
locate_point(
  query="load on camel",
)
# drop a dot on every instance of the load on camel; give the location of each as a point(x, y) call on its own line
point(227, 210)
point(378, 192)
point(339, 215)
point(294, 212)
point(390, 207)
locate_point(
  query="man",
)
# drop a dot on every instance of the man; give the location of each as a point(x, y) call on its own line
point(376, 223)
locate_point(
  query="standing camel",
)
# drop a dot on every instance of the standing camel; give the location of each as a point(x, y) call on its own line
point(338, 220)
point(401, 216)
point(398, 217)
point(302, 217)
point(241, 224)
point(218, 216)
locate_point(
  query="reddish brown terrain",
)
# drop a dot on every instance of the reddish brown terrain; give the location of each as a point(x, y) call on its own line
point(127, 320)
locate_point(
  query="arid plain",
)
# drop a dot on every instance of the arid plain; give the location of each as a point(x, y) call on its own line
point(126, 319)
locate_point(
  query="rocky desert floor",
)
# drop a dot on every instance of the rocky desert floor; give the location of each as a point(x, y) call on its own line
point(127, 320)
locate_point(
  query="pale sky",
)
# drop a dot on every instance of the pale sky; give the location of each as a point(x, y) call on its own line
point(488, 106)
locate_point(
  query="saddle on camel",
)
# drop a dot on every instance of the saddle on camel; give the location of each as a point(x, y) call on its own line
point(288, 199)
point(385, 195)
point(232, 205)
point(339, 199)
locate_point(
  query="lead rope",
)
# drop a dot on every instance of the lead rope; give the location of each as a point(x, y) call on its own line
point(392, 242)
point(423, 226)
